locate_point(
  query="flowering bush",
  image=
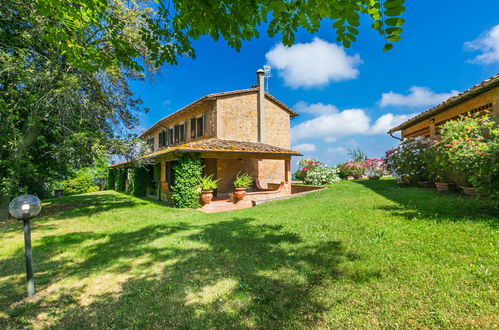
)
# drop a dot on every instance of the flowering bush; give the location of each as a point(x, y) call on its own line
point(356, 168)
point(469, 148)
point(411, 161)
point(375, 167)
point(314, 172)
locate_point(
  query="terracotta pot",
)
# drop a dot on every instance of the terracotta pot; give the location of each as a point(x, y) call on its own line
point(469, 191)
point(427, 184)
point(445, 186)
point(350, 177)
point(357, 177)
point(206, 196)
point(239, 194)
point(375, 177)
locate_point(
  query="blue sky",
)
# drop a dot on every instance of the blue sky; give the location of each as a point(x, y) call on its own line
point(345, 97)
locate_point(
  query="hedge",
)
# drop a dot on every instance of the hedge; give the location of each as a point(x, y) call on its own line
point(139, 180)
point(188, 172)
point(111, 178)
point(120, 180)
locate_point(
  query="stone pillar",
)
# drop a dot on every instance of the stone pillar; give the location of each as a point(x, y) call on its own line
point(260, 80)
point(287, 175)
point(163, 182)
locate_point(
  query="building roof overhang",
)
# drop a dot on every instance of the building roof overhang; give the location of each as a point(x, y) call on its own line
point(474, 91)
point(214, 145)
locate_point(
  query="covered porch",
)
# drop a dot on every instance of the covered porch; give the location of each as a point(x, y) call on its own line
point(271, 174)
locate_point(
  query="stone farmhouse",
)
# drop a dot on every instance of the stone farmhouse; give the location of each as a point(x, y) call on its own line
point(477, 99)
point(245, 131)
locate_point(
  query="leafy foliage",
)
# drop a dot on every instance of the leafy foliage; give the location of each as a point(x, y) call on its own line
point(357, 155)
point(187, 172)
point(84, 181)
point(120, 184)
point(139, 180)
point(243, 180)
point(208, 183)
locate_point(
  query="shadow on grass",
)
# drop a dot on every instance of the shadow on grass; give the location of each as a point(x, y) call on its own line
point(226, 274)
point(414, 203)
point(74, 206)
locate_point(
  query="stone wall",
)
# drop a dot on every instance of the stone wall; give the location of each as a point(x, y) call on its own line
point(237, 119)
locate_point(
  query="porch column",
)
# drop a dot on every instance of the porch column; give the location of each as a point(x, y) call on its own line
point(163, 182)
point(287, 175)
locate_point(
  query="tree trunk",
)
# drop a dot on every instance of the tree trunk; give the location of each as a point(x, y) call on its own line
point(4, 207)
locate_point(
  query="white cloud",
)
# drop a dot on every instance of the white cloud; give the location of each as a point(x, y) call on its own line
point(334, 124)
point(387, 121)
point(337, 150)
point(488, 44)
point(315, 108)
point(165, 103)
point(305, 147)
point(330, 139)
point(418, 97)
point(313, 64)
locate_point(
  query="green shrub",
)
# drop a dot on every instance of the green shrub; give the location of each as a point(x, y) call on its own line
point(120, 179)
point(111, 179)
point(82, 182)
point(243, 180)
point(139, 180)
point(298, 175)
point(208, 183)
point(187, 173)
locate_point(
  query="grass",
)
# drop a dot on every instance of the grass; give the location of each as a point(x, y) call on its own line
point(361, 254)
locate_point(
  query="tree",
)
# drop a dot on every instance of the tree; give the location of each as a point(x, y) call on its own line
point(66, 65)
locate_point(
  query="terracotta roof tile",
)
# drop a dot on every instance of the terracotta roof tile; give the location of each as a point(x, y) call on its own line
point(479, 88)
point(217, 145)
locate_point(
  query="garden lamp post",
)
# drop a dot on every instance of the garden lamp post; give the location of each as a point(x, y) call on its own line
point(26, 207)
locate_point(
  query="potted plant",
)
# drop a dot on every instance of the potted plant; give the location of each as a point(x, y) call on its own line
point(207, 185)
point(241, 183)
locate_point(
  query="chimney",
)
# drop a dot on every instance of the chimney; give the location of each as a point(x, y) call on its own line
point(260, 82)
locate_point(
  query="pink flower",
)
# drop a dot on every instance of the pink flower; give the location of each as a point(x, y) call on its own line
point(468, 139)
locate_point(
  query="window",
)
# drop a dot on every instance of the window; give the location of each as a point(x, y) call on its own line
point(200, 126)
point(193, 128)
point(150, 143)
point(176, 132)
point(162, 139)
point(170, 136)
point(183, 132)
point(197, 126)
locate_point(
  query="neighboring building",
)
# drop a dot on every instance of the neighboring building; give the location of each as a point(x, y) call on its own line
point(245, 131)
point(479, 98)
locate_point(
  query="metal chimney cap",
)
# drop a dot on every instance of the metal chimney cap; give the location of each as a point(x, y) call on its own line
point(260, 71)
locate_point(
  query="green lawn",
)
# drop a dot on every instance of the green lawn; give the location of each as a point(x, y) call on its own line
point(361, 254)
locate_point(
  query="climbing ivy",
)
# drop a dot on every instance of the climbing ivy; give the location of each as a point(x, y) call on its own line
point(139, 180)
point(188, 172)
point(111, 179)
point(120, 180)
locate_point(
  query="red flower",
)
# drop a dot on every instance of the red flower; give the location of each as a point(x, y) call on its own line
point(468, 139)
point(454, 142)
point(304, 169)
point(482, 154)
